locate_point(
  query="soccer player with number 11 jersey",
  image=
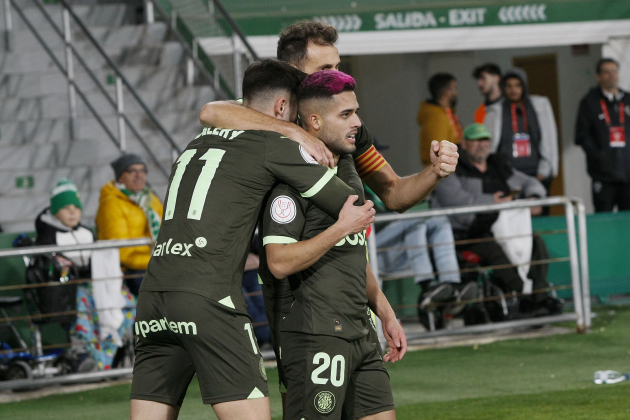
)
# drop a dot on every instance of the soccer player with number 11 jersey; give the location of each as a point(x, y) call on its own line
point(191, 315)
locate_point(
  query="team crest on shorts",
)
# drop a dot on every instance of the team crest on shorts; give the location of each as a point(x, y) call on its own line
point(283, 209)
point(307, 156)
point(263, 372)
point(325, 402)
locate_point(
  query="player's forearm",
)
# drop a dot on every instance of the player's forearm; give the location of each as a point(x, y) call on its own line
point(284, 260)
point(377, 301)
point(231, 114)
point(401, 193)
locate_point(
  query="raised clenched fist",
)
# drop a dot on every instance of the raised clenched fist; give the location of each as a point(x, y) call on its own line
point(444, 157)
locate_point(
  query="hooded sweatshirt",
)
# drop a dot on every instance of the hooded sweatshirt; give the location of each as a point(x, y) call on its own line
point(50, 231)
point(541, 128)
point(435, 124)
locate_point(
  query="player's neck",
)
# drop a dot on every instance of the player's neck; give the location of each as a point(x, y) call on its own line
point(336, 159)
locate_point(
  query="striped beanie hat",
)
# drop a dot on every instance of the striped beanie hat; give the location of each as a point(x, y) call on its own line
point(63, 194)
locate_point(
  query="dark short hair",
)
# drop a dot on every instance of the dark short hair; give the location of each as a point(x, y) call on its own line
point(324, 84)
point(270, 75)
point(438, 83)
point(489, 68)
point(295, 38)
point(602, 61)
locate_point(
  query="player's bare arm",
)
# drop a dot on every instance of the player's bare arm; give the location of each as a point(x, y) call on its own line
point(401, 193)
point(287, 259)
point(392, 330)
point(236, 116)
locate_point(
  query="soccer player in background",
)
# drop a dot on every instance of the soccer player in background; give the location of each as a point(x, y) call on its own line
point(310, 46)
point(191, 315)
point(332, 360)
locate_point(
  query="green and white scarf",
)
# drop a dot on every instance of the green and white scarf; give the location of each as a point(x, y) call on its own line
point(143, 200)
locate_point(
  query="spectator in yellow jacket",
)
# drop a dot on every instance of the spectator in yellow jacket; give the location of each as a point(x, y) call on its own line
point(437, 117)
point(129, 209)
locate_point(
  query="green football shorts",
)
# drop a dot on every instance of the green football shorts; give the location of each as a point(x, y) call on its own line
point(179, 334)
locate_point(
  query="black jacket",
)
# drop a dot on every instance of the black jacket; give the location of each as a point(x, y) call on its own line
point(605, 163)
point(50, 231)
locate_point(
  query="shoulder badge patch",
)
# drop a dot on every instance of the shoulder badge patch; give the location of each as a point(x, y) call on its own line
point(325, 402)
point(307, 157)
point(283, 209)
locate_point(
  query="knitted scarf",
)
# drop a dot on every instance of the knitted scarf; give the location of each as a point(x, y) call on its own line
point(143, 199)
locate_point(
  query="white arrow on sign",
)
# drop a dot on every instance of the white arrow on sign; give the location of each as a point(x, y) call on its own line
point(523, 13)
point(343, 23)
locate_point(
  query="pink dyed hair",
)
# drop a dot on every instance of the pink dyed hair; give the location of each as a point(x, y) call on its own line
point(325, 84)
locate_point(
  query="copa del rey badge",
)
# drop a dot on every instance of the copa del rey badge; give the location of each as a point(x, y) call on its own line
point(283, 209)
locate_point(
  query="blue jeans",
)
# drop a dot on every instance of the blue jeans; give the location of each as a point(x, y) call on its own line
point(256, 306)
point(412, 236)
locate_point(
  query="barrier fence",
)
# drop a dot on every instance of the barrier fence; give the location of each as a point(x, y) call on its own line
point(578, 264)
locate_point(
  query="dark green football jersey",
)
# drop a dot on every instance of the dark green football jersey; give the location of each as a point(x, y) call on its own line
point(330, 296)
point(215, 193)
point(363, 141)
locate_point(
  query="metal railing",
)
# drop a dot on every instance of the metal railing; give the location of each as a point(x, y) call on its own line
point(226, 53)
point(70, 19)
point(38, 348)
point(578, 264)
point(579, 278)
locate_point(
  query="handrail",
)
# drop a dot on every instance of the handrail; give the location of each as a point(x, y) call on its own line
point(47, 249)
point(81, 94)
point(578, 266)
point(94, 79)
point(121, 75)
point(184, 30)
point(452, 211)
point(209, 73)
point(236, 28)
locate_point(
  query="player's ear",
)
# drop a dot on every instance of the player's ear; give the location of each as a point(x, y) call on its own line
point(281, 108)
point(315, 120)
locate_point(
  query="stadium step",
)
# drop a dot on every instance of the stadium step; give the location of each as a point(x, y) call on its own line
point(35, 137)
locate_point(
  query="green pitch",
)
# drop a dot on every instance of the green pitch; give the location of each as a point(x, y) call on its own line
point(545, 378)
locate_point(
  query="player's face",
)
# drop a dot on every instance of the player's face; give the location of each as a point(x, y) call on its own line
point(514, 89)
point(477, 150)
point(608, 77)
point(69, 215)
point(341, 123)
point(134, 177)
point(487, 82)
point(320, 57)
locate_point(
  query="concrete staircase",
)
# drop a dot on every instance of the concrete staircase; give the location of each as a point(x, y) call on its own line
point(35, 131)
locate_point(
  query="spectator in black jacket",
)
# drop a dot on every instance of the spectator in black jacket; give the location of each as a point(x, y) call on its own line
point(602, 129)
point(60, 224)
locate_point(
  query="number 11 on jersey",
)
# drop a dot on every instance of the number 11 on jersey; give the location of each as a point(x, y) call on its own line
point(213, 158)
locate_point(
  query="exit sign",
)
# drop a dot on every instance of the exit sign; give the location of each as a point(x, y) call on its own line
point(26, 181)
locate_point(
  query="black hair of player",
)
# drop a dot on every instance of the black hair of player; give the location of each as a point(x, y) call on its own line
point(602, 61)
point(439, 83)
point(270, 75)
point(294, 40)
point(489, 68)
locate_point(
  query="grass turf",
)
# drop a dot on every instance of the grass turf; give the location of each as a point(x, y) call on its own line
point(545, 378)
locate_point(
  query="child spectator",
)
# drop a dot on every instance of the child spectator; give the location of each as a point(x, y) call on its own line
point(60, 224)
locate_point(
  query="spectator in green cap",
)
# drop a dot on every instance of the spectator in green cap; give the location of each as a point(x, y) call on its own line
point(484, 178)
